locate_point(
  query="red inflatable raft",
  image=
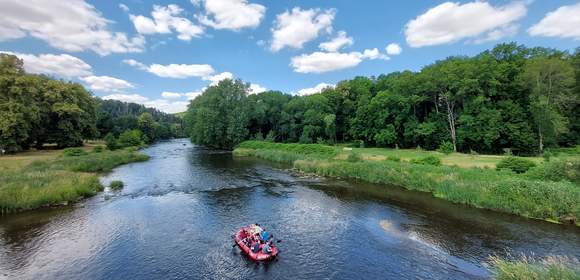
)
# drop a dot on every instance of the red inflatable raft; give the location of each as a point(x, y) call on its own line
point(245, 234)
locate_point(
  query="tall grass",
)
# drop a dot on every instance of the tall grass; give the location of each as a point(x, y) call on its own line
point(57, 180)
point(527, 268)
point(483, 188)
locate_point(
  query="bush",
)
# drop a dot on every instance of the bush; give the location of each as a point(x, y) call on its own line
point(394, 158)
point(116, 185)
point(130, 138)
point(547, 155)
point(552, 267)
point(557, 170)
point(515, 164)
point(111, 142)
point(74, 152)
point(428, 160)
point(446, 147)
point(353, 157)
point(98, 149)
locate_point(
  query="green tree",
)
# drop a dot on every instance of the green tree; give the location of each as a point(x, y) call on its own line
point(219, 117)
point(551, 80)
point(148, 126)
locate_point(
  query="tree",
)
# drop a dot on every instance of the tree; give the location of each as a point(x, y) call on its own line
point(219, 117)
point(148, 126)
point(551, 81)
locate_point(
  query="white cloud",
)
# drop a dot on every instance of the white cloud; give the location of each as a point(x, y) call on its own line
point(564, 22)
point(316, 89)
point(193, 94)
point(106, 83)
point(177, 71)
point(123, 7)
point(215, 79)
point(62, 65)
point(255, 89)
point(181, 71)
point(342, 40)
point(450, 22)
point(373, 54)
point(320, 62)
point(160, 104)
point(72, 25)
point(393, 49)
point(166, 19)
point(134, 98)
point(231, 14)
point(295, 28)
point(135, 63)
point(171, 95)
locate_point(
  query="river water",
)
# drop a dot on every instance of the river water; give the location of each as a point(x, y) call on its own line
point(176, 214)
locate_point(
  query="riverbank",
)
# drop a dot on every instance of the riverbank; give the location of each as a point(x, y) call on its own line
point(38, 179)
point(504, 191)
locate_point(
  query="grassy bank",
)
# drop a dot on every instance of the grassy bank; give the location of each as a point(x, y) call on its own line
point(521, 194)
point(554, 267)
point(43, 178)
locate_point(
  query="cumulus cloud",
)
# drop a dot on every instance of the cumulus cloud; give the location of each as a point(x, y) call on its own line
point(564, 22)
point(133, 98)
point(177, 71)
point(393, 49)
point(450, 22)
point(373, 54)
point(166, 19)
point(295, 28)
point(316, 89)
point(106, 83)
point(62, 65)
point(341, 40)
point(320, 62)
point(231, 14)
point(123, 7)
point(67, 25)
point(181, 71)
point(193, 94)
point(215, 79)
point(160, 104)
point(171, 95)
point(256, 88)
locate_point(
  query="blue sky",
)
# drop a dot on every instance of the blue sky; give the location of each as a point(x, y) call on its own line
point(162, 53)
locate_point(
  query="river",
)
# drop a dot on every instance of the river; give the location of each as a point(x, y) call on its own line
point(176, 214)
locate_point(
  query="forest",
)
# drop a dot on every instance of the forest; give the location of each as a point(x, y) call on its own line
point(511, 98)
point(36, 110)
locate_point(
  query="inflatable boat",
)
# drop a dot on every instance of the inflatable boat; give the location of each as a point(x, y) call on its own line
point(242, 238)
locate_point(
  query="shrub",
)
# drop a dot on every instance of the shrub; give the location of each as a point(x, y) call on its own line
point(428, 160)
point(515, 164)
point(353, 157)
point(74, 152)
point(271, 136)
point(98, 149)
point(557, 170)
point(111, 142)
point(445, 147)
point(130, 138)
point(552, 267)
point(394, 158)
point(547, 155)
point(116, 185)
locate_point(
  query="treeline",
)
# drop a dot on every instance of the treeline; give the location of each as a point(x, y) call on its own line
point(510, 97)
point(36, 110)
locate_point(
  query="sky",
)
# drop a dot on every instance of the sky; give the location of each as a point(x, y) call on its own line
point(164, 53)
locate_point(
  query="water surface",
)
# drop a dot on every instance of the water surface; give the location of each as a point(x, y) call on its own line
point(176, 214)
